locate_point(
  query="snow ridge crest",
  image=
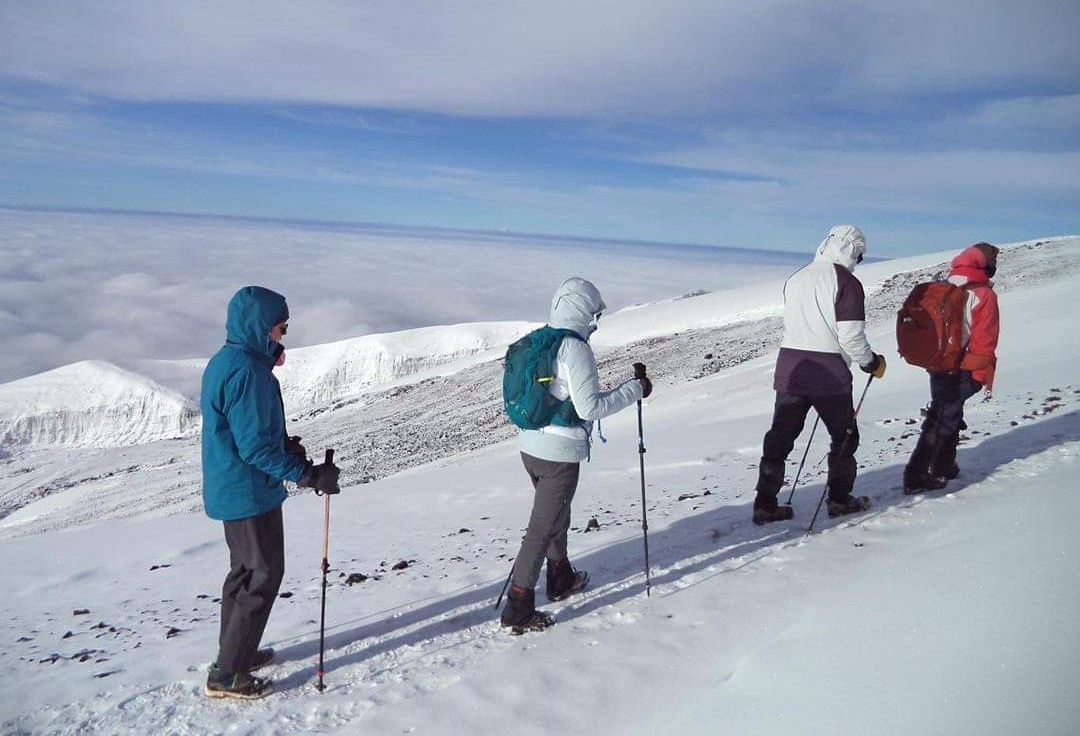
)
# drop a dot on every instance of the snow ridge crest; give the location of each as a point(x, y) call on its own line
point(95, 403)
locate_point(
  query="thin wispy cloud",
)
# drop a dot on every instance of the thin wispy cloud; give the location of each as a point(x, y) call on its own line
point(521, 58)
point(688, 121)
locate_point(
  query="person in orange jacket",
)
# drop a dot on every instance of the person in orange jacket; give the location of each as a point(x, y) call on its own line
point(933, 462)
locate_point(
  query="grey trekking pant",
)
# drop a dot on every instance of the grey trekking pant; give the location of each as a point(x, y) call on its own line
point(257, 565)
point(554, 484)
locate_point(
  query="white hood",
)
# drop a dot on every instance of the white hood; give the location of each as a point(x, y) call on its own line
point(575, 305)
point(843, 246)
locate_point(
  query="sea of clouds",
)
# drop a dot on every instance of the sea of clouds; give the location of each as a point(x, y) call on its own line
point(122, 287)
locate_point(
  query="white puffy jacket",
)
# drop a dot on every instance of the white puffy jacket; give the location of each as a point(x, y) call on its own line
point(824, 320)
point(576, 306)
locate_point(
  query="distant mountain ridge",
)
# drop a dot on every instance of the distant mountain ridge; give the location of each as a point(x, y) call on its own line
point(92, 403)
point(98, 404)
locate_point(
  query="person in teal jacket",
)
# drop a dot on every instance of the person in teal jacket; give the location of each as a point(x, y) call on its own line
point(246, 456)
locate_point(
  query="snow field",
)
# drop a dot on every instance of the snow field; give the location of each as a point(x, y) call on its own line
point(940, 613)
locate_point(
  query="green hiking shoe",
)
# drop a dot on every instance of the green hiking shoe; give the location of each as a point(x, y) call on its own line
point(242, 685)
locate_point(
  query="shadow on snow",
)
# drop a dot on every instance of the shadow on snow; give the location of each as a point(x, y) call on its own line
point(723, 535)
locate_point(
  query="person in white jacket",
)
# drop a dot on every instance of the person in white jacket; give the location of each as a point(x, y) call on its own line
point(552, 457)
point(824, 319)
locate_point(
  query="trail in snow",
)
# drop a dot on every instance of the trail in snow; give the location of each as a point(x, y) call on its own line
point(411, 650)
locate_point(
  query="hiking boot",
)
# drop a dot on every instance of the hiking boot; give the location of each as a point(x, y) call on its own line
point(779, 513)
point(944, 465)
point(848, 505)
point(563, 580)
point(262, 658)
point(931, 453)
point(925, 482)
point(520, 614)
point(948, 472)
point(242, 685)
point(537, 622)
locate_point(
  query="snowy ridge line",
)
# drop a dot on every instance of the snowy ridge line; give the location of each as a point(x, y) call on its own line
point(323, 374)
point(159, 399)
point(99, 404)
point(92, 403)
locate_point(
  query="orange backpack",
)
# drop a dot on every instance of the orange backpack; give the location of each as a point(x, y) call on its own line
point(930, 326)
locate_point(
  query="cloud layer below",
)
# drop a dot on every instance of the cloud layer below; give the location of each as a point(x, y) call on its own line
point(124, 287)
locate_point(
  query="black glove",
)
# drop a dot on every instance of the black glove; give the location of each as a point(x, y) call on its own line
point(646, 387)
point(323, 478)
point(646, 384)
point(293, 447)
point(876, 367)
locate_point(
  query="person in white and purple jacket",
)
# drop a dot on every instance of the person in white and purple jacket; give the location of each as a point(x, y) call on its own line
point(824, 331)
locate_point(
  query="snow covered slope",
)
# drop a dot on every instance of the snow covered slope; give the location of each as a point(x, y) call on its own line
point(97, 404)
point(92, 403)
point(319, 375)
point(944, 613)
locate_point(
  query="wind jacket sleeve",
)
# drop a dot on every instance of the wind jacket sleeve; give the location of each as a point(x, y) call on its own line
point(257, 421)
point(981, 355)
point(590, 402)
point(851, 318)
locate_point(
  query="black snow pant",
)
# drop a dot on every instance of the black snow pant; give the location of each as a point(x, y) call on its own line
point(948, 392)
point(935, 452)
point(257, 565)
point(554, 484)
point(789, 417)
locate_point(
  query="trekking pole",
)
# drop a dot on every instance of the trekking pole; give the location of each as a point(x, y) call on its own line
point(325, 568)
point(639, 372)
point(858, 408)
point(505, 585)
point(803, 461)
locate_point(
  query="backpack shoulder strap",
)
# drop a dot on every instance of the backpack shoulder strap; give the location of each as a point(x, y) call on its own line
point(565, 414)
point(565, 332)
point(558, 334)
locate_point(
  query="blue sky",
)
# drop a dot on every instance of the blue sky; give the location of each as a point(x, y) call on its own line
point(751, 124)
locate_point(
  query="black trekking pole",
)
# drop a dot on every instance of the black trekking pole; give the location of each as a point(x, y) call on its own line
point(803, 461)
point(505, 585)
point(639, 372)
point(810, 529)
point(325, 569)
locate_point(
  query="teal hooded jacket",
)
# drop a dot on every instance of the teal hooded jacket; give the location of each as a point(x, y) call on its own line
point(243, 437)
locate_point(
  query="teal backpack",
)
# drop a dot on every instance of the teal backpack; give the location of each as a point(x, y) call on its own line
point(528, 371)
